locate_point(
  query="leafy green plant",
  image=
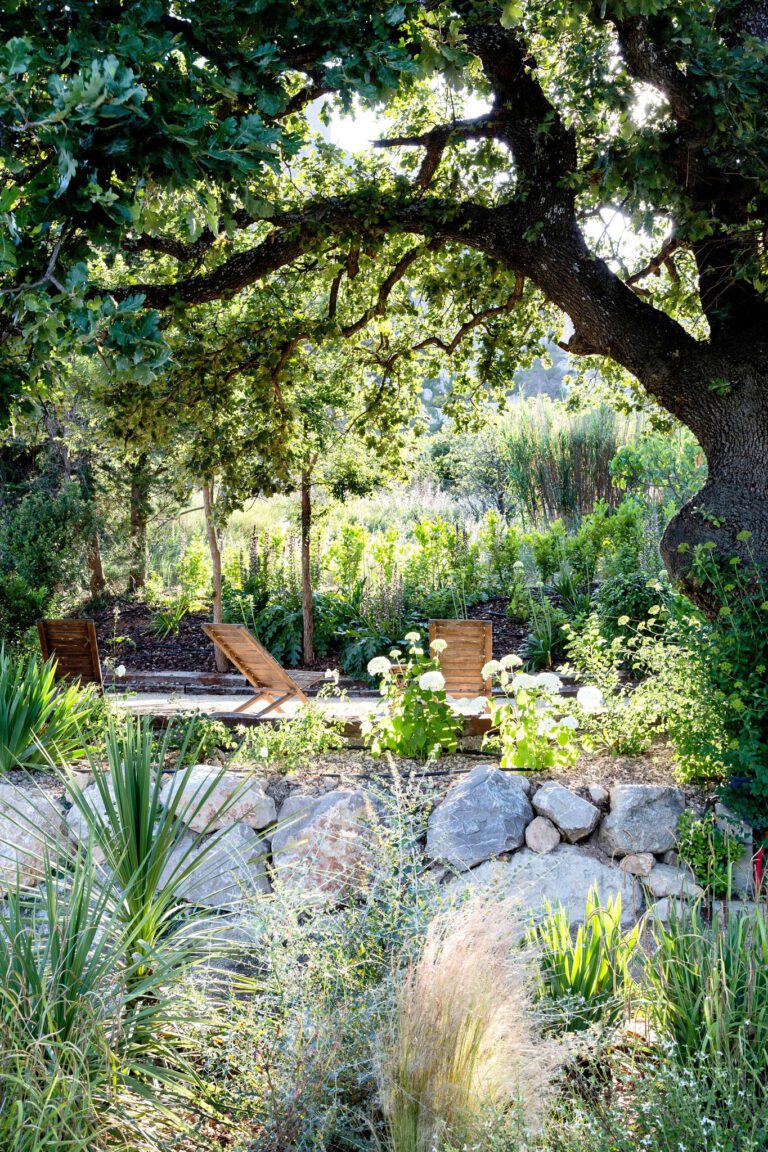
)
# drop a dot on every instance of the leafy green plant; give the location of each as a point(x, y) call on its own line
point(709, 851)
point(544, 644)
point(583, 978)
point(20, 606)
point(40, 719)
point(168, 615)
point(418, 721)
point(293, 743)
point(526, 730)
point(707, 994)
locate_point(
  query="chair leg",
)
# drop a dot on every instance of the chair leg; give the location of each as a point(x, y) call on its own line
point(273, 702)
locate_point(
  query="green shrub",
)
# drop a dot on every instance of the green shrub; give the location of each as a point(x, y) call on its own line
point(20, 606)
point(41, 720)
point(167, 617)
point(291, 744)
point(583, 978)
point(623, 600)
point(418, 722)
point(708, 850)
point(525, 731)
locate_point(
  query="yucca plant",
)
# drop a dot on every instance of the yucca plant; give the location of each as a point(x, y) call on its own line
point(142, 841)
point(40, 720)
point(584, 977)
point(707, 993)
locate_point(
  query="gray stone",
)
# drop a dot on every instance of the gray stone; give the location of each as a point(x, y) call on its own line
point(643, 818)
point(671, 857)
point(30, 823)
point(232, 867)
point(233, 799)
point(574, 816)
point(481, 816)
point(598, 795)
point(321, 845)
point(638, 864)
point(742, 872)
point(541, 836)
point(564, 876)
point(665, 908)
point(665, 881)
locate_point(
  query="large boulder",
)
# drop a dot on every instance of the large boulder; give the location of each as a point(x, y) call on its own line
point(231, 867)
point(78, 825)
point(483, 815)
point(321, 847)
point(643, 818)
point(564, 876)
point(742, 871)
point(576, 818)
point(30, 823)
point(664, 881)
point(233, 799)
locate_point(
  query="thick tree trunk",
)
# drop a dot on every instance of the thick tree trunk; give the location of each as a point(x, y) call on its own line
point(96, 579)
point(307, 602)
point(141, 484)
point(213, 546)
point(731, 510)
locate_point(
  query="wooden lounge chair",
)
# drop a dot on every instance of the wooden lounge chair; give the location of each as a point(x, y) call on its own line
point(468, 648)
point(74, 645)
point(274, 686)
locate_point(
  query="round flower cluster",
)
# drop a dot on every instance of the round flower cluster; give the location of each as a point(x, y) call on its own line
point(432, 681)
point(379, 666)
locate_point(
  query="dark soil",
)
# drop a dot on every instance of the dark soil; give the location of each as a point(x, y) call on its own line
point(125, 632)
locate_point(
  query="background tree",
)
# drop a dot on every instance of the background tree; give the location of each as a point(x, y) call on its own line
point(159, 156)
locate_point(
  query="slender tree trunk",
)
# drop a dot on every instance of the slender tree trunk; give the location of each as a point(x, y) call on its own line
point(307, 602)
point(140, 509)
point(96, 580)
point(213, 546)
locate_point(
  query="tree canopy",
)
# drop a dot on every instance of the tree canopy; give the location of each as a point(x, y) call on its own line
point(602, 161)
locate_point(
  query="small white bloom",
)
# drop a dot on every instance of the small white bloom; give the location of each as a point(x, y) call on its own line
point(492, 668)
point(569, 722)
point(395, 655)
point(330, 674)
point(511, 661)
point(518, 564)
point(549, 681)
point(412, 637)
point(438, 645)
point(523, 680)
point(417, 651)
point(379, 666)
point(546, 724)
point(120, 670)
point(590, 699)
point(264, 752)
point(432, 681)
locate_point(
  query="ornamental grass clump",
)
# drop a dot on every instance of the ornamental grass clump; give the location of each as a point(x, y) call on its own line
point(529, 728)
point(463, 1037)
point(417, 721)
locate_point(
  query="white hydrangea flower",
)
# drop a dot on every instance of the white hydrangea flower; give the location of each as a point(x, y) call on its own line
point(332, 674)
point(518, 564)
point(549, 681)
point(546, 724)
point(120, 670)
point(590, 699)
point(523, 680)
point(395, 655)
point(379, 666)
point(264, 752)
point(492, 668)
point(569, 722)
point(412, 637)
point(432, 681)
point(511, 661)
point(438, 645)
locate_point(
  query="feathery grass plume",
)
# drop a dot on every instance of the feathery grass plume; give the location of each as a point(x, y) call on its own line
point(463, 1035)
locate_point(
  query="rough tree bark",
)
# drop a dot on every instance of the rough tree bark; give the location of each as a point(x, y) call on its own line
point(140, 508)
point(307, 601)
point(215, 550)
point(96, 579)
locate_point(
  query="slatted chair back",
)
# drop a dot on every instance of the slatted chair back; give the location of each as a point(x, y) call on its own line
point(274, 686)
point(468, 647)
point(75, 648)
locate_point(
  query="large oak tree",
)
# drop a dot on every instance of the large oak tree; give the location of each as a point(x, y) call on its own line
point(158, 156)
